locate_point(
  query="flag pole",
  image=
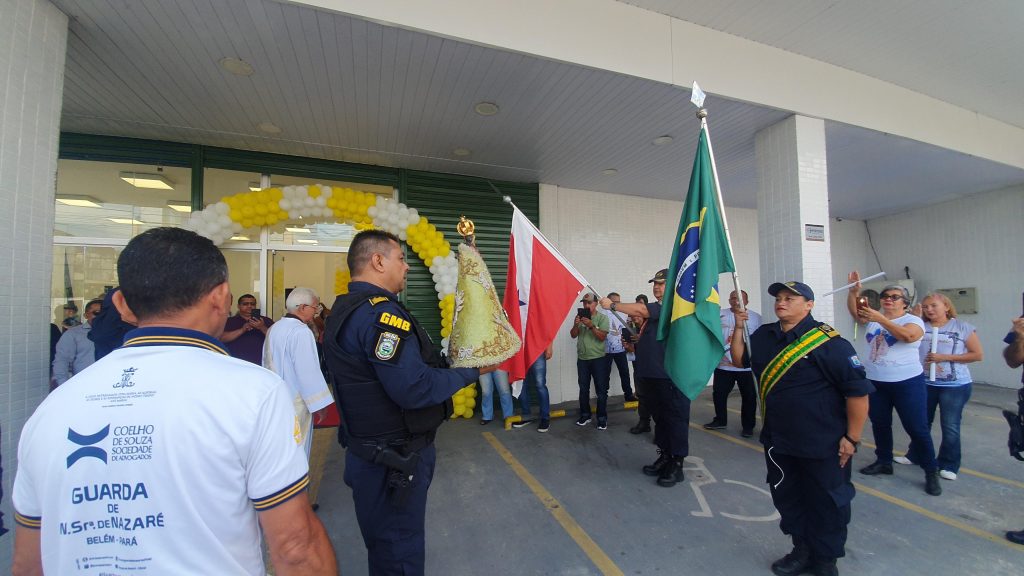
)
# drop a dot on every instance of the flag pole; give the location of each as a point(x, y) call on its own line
point(702, 114)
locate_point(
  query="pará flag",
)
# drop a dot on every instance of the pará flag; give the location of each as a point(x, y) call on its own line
point(689, 323)
point(540, 290)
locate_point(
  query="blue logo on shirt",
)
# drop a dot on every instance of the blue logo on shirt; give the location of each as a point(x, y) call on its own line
point(88, 450)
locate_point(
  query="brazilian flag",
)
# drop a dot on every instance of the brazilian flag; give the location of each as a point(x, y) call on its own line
point(690, 324)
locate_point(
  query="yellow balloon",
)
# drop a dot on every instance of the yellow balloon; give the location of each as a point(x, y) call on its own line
point(459, 400)
point(470, 403)
point(261, 209)
point(235, 215)
point(248, 212)
point(247, 223)
point(468, 414)
point(458, 411)
point(472, 392)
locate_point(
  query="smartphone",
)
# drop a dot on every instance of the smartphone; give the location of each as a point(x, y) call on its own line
point(583, 312)
point(862, 302)
point(256, 313)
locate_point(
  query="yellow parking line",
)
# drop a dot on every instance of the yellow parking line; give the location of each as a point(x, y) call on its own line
point(968, 471)
point(569, 524)
point(889, 498)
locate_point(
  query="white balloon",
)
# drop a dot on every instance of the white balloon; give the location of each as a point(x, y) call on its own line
point(402, 235)
point(326, 212)
point(285, 204)
point(320, 201)
point(326, 191)
point(222, 208)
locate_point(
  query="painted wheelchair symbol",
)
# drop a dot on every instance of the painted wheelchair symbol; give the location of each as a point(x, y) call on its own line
point(699, 476)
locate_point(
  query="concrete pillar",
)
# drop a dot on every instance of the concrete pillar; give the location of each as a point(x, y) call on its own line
point(792, 205)
point(33, 40)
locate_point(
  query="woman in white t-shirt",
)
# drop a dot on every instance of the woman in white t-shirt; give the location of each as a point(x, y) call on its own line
point(893, 365)
point(957, 345)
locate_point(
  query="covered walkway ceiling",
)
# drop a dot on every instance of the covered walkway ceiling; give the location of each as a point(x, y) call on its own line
point(343, 88)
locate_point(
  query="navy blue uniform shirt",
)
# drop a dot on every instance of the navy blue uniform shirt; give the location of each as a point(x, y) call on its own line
point(650, 352)
point(379, 334)
point(805, 413)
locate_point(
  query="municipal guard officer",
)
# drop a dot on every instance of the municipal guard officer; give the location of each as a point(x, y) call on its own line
point(394, 391)
point(667, 404)
point(813, 395)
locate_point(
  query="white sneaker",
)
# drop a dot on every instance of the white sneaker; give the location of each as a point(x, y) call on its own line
point(947, 474)
point(902, 460)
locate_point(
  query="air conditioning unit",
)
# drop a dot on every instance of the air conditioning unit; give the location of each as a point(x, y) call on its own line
point(872, 291)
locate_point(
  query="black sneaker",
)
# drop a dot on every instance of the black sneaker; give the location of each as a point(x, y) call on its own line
point(583, 421)
point(522, 423)
point(630, 398)
point(484, 422)
point(602, 424)
point(794, 563)
point(931, 483)
point(543, 426)
point(876, 468)
point(745, 433)
point(714, 425)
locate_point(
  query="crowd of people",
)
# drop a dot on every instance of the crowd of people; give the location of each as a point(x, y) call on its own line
point(203, 441)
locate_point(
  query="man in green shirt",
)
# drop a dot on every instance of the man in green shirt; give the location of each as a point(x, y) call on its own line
point(590, 329)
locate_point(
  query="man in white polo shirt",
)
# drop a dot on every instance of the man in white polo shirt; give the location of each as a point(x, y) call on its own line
point(167, 455)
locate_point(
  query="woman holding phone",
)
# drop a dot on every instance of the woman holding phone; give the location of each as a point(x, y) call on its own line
point(893, 365)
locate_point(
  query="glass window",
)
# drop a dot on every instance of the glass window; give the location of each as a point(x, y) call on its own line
point(321, 271)
point(117, 200)
point(80, 274)
point(243, 275)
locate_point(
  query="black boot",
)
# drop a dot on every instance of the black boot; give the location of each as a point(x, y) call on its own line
point(1016, 537)
point(931, 483)
point(796, 562)
point(823, 567)
point(671, 472)
point(655, 468)
point(877, 468)
point(640, 427)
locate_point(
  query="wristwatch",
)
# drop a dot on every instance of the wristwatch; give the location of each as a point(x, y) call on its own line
point(856, 444)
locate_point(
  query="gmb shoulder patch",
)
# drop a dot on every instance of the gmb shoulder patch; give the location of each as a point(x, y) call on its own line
point(394, 323)
point(387, 346)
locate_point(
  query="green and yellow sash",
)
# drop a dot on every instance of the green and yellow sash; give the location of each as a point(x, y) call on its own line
point(789, 356)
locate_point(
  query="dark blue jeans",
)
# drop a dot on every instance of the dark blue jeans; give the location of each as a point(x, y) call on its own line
point(622, 365)
point(951, 401)
point(599, 370)
point(910, 399)
point(537, 375)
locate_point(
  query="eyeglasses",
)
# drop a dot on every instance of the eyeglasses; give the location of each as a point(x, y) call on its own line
point(891, 297)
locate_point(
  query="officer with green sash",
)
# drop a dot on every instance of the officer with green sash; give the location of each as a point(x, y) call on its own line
point(814, 401)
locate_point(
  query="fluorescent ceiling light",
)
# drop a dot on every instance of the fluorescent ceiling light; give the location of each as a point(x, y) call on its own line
point(140, 180)
point(77, 200)
point(304, 241)
point(236, 66)
point(462, 151)
point(255, 186)
point(180, 206)
point(298, 230)
point(244, 238)
point(131, 221)
point(609, 171)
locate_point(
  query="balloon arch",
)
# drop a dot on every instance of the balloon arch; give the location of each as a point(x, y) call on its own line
point(317, 203)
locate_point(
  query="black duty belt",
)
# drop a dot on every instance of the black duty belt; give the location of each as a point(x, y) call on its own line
point(370, 450)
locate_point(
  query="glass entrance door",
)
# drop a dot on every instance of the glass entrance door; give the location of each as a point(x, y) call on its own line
point(321, 271)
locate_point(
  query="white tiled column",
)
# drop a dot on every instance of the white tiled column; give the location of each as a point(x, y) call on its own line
point(793, 193)
point(33, 39)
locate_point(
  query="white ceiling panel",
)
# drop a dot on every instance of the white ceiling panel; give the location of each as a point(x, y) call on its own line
point(346, 89)
point(967, 53)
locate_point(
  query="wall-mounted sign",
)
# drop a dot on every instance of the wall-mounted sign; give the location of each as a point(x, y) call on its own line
point(814, 232)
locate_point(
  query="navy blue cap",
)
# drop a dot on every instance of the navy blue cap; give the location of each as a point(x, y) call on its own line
point(795, 287)
point(660, 276)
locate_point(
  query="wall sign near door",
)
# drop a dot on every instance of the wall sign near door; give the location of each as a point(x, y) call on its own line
point(814, 232)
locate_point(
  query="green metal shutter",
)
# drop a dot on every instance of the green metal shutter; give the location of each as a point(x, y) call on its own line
point(442, 198)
